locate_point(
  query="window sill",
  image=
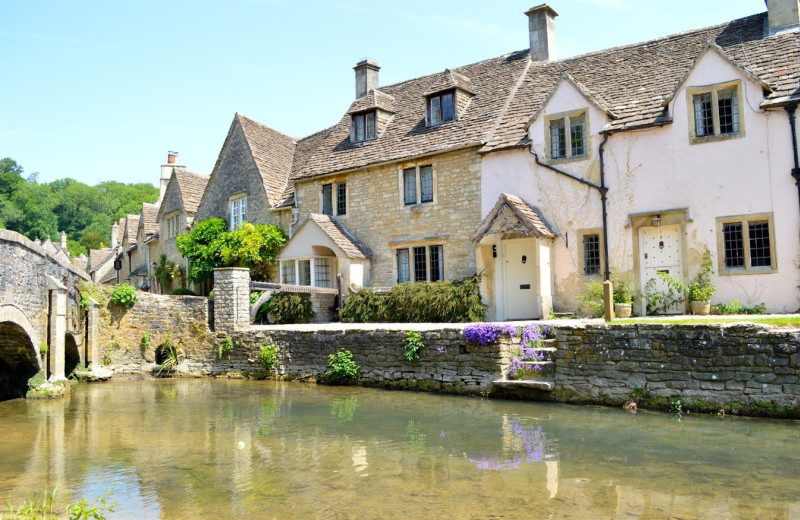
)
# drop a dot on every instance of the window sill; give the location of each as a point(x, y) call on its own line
point(714, 138)
point(563, 160)
point(418, 206)
point(738, 271)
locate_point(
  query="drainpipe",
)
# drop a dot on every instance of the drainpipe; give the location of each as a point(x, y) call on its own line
point(790, 109)
point(601, 188)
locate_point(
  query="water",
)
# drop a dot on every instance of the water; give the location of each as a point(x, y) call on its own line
point(243, 449)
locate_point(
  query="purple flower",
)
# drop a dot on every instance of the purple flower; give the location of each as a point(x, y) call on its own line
point(441, 349)
point(481, 333)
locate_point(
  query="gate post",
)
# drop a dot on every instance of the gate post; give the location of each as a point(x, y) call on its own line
point(58, 326)
point(231, 298)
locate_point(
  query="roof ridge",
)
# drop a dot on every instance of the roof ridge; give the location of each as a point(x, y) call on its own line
point(262, 125)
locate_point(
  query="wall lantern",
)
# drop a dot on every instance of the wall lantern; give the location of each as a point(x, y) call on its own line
point(657, 221)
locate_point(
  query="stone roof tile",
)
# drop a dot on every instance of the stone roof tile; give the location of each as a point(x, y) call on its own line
point(340, 236)
point(191, 185)
point(273, 153)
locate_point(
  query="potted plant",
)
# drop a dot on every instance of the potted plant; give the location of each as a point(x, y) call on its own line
point(700, 290)
point(623, 299)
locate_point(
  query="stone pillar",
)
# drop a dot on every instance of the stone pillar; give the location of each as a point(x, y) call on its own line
point(94, 318)
point(231, 298)
point(58, 327)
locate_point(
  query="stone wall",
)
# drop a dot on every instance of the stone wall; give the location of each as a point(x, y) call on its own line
point(713, 364)
point(378, 218)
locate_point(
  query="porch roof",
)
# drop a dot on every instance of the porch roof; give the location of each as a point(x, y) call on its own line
point(514, 215)
point(339, 237)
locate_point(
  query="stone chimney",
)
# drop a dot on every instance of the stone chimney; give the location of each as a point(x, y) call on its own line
point(166, 172)
point(542, 32)
point(783, 15)
point(114, 234)
point(366, 77)
point(64, 240)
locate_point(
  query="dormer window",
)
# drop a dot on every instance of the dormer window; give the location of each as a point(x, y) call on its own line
point(714, 113)
point(363, 126)
point(566, 137)
point(441, 108)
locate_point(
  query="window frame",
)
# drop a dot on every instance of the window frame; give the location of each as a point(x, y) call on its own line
point(582, 252)
point(238, 200)
point(565, 118)
point(714, 91)
point(419, 262)
point(290, 269)
point(439, 97)
point(417, 169)
point(746, 221)
point(366, 126)
point(337, 198)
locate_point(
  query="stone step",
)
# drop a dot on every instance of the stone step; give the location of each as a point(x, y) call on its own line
point(535, 384)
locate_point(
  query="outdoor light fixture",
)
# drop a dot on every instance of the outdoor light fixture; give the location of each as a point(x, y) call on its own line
point(657, 221)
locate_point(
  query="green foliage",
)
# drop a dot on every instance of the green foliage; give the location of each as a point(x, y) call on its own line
point(342, 368)
point(660, 302)
point(622, 292)
point(209, 245)
point(183, 292)
point(418, 302)
point(91, 240)
point(36, 507)
point(267, 356)
point(166, 272)
point(261, 314)
point(412, 345)
point(593, 299)
point(168, 355)
point(224, 349)
point(43, 349)
point(287, 307)
point(700, 288)
point(145, 342)
point(737, 307)
point(123, 296)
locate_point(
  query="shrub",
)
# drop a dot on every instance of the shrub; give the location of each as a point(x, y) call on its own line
point(342, 368)
point(593, 299)
point(224, 349)
point(737, 307)
point(183, 292)
point(267, 355)
point(261, 315)
point(290, 308)
point(123, 296)
point(412, 345)
point(419, 302)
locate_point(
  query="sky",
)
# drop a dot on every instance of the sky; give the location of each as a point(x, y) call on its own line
point(102, 90)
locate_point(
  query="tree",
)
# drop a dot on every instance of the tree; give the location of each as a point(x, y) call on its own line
point(10, 177)
point(91, 240)
point(210, 245)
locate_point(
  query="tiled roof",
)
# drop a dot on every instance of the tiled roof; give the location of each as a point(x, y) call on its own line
point(98, 257)
point(273, 153)
point(491, 81)
point(512, 214)
point(148, 218)
point(373, 99)
point(634, 81)
point(448, 80)
point(191, 185)
point(131, 227)
point(82, 262)
point(340, 236)
point(121, 230)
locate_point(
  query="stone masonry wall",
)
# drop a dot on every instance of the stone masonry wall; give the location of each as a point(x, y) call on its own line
point(378, 218)
point(720, 364)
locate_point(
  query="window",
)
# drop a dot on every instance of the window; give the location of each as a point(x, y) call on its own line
point(172, 223)
point(238, 210)
point(420, 264)
point(363, 127)
point(591, 254)
point(317, 271)
point(441, 108)
point(567, 136)
point(714, 113)
point(328, 201)
point(304, 272)
point(746, 244)
point(418, 185)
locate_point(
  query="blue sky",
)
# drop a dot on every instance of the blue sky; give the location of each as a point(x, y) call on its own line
point(101, 91)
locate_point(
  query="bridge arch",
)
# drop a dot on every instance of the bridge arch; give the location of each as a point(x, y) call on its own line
point(19, 352)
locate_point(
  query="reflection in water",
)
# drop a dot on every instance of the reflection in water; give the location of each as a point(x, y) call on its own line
point(232, 449)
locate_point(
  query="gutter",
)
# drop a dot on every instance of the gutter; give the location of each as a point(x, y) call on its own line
point(601, 188)
point(790, 109)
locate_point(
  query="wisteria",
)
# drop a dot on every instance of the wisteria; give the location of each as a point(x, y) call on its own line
point(482, 333)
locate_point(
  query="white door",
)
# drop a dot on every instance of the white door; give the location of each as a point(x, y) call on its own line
point(520, 276)
point(661, 253)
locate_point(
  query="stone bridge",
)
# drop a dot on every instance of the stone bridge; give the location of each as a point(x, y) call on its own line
point(41, 325)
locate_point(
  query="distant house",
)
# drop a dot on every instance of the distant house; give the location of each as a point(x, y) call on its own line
point(689, 137)
point(101, 264)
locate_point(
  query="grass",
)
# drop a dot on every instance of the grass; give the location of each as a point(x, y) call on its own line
point(777, 321)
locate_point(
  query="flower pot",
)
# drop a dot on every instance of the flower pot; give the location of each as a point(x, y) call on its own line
point(701, 308)
point(622, 310)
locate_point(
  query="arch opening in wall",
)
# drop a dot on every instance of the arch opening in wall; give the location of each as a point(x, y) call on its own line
point(72, 355)
point(18, 360)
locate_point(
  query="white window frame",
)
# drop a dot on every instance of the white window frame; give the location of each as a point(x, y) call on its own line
point(567, 118)
point(417, 185)
point(713, 91)
point(746, 221)
point(237, 211)
point(291, 267)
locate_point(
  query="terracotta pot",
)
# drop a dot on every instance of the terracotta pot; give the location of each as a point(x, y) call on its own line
point(701, 308)
point(622, 310)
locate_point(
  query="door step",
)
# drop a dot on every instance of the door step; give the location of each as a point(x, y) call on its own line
point(534, 384)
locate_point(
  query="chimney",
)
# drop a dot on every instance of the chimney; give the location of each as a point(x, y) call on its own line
point(64, 240)
point(166, 172)
point(542, 32)
point(114, 234)
point(366, 77)
point(783, 15)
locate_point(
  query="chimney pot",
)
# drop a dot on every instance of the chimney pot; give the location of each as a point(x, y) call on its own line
point(170, 157)
point(542, 32)
point(366, 77)
point(783, 15)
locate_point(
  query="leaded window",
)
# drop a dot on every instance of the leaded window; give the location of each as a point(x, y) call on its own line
point(746, 244)
point(591, 254)
point(441, 108)
point(567, 136)
point(364, 127)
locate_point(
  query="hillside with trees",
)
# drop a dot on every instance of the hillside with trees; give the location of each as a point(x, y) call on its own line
point(85, 212)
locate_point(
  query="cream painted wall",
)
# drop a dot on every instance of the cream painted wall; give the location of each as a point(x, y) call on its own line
point(654, 170)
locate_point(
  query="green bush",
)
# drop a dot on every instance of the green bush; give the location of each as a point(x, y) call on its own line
point(342, 370)
point(412, 345)
point(183, 292)
point(123, 296)
point(290, 307)
point(418, 302)
point(267, 355)
point(261, 315)
point(737, 307)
